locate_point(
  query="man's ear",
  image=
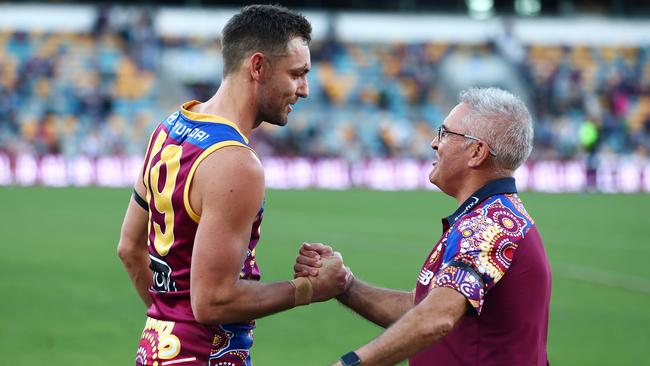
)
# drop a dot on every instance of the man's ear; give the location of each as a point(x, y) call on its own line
point(258, 66)
point(479, 154)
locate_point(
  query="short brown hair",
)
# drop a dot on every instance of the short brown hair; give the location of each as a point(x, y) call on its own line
point(261, 28)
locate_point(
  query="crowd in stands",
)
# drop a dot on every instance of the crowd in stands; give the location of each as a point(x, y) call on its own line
point(102, 93)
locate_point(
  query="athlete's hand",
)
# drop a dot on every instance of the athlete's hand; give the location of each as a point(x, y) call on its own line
point(324, 268)
point(308, 261)
point(333, 278)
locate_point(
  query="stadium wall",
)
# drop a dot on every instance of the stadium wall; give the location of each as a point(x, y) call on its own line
point(615, 175)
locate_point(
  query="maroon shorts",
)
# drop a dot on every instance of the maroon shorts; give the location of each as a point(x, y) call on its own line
point(180, 343)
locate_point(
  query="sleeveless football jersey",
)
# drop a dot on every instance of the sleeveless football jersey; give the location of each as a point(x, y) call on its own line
point(177, 147)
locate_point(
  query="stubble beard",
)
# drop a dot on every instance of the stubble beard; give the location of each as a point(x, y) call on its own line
point(273, 115)
point(276, 119)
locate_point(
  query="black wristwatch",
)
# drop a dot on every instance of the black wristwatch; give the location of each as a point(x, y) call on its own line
point(350, 359)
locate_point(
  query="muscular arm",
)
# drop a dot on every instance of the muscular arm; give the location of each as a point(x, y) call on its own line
point(132, 247)
point(379, 305)
point(426, 323)
point(229, 185)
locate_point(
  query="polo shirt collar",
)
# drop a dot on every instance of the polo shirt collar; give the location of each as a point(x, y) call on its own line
point(498, 186)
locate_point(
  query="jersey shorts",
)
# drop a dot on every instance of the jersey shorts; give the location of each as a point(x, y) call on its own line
point(184, 343)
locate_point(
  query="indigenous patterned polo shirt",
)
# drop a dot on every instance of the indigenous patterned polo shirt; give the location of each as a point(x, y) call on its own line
point(490, 252)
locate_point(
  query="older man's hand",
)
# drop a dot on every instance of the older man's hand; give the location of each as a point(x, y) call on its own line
point(325, 270)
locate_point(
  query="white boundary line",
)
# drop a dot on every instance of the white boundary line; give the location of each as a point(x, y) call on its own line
point(602, 277)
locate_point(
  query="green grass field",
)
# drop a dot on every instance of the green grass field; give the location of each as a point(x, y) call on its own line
point(65, 299)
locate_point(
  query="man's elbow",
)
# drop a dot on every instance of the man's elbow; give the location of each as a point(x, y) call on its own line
point(440, 328)
point(123, 252)
point(210, 311)
point(130, 254)
point(206, 315)
point(445, 327)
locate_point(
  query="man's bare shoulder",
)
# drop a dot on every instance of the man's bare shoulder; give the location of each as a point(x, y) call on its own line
point(231, 170)
point(233, 161)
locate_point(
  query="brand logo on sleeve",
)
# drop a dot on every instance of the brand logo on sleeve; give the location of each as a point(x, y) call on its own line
point(425, 277)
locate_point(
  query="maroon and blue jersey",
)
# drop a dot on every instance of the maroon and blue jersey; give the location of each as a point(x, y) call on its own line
point(172, 335)
point(491, 252)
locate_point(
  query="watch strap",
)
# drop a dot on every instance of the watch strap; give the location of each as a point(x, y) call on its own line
point(350, 359)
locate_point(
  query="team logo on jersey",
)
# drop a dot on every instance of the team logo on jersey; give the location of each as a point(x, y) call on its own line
point(162, 275)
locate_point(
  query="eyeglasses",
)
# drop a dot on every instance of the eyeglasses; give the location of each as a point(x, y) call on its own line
point(443, 132)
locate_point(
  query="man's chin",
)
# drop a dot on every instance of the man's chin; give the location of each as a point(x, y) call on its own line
point(277, 121)
point(432, 176)
point(434, 179)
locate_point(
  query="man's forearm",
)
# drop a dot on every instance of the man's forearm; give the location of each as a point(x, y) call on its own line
point(381, 306)
point(132, 249)
point(138, 269)
point(421, 326)
point(142, 282)
point(245, 301)
point(412, 333)
point(236, 300)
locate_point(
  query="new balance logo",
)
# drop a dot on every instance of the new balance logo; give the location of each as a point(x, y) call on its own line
point(425, 277)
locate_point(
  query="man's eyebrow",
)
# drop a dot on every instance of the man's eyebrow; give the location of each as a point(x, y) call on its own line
point(302, 69)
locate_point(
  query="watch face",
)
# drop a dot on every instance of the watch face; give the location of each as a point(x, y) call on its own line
point(350, 359)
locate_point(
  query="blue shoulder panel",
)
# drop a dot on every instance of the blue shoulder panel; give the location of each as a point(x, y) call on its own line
point(454, 238)
point(201, 134)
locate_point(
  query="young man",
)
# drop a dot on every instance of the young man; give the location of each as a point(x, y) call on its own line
point(482, 296)
point(190, 233)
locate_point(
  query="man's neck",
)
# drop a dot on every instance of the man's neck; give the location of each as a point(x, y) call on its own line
point(473, 183)
point(234, 102)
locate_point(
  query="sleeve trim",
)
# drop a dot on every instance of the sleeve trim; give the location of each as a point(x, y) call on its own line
point(188, 181)
point(466, 267)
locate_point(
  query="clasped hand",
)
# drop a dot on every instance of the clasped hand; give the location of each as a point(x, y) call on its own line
point(325, 270)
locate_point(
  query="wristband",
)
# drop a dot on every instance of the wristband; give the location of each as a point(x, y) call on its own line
point(303, 291)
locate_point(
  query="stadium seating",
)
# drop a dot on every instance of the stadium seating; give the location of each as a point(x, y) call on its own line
point(100, 93)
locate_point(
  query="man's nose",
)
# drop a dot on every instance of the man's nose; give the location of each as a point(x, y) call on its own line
point(434, 143)
point(303, 90)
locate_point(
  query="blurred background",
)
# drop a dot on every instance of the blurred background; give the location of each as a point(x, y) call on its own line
point(83, 84)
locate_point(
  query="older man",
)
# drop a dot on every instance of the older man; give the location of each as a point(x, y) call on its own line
point(482, 296)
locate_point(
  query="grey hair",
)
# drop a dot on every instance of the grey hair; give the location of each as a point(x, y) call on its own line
point(502, 120)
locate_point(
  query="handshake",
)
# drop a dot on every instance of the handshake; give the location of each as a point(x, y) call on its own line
point(319, 274)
